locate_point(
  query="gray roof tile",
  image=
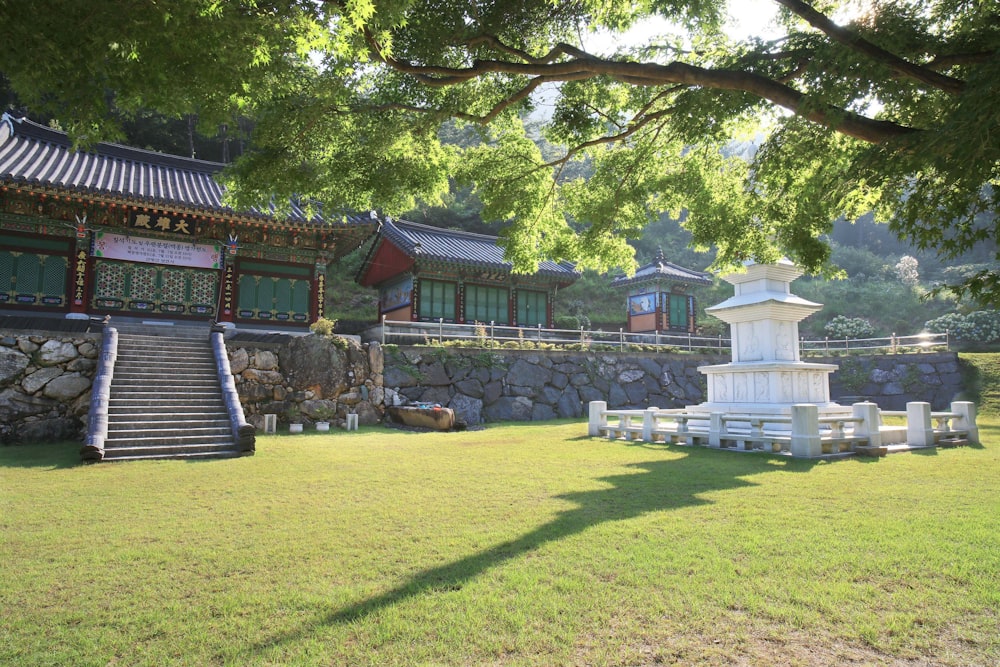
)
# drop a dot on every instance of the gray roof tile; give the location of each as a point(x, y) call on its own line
point(37, 155)
point(423, 242)
point(660, 268)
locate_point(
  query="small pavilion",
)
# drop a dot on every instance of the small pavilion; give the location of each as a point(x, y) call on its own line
point(426, 274)
point(659, 298)
point(120, 231)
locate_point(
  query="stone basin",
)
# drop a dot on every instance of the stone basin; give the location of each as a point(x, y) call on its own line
point(436, 417)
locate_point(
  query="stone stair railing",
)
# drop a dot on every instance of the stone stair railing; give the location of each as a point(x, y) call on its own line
point(97, 421)
point(165, 400)
point(244, 434)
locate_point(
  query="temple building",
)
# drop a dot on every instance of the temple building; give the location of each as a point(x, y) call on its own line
point(428, 274)
point(121, 231)
point(659, 298)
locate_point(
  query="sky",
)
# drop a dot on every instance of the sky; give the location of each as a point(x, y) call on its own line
point(748, 18)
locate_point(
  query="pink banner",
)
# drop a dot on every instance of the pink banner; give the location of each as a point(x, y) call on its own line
point(157, 251)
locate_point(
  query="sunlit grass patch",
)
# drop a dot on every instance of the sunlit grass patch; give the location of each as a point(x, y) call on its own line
point(514, 545)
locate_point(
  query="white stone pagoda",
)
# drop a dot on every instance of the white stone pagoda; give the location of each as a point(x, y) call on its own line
point(766, 375)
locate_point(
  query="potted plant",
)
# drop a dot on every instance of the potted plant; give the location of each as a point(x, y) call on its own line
point(294, 419)
point(324, 414)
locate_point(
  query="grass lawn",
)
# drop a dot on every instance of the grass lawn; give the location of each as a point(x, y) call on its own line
point(515, 545)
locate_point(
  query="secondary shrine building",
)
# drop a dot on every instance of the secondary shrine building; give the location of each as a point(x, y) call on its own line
point(428, 274)
point(659, 298)
point(122, 231)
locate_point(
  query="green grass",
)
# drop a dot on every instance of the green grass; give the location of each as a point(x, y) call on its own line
point(515, 545)
point(985, 383)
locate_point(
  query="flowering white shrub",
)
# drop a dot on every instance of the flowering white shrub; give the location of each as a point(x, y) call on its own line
point(908, 270)
point(982, 326)
point(849, 327)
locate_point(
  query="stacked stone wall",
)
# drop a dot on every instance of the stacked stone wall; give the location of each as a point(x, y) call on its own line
point(510, 385)
point(312, 378)
point(45, 381)
point(45, 386)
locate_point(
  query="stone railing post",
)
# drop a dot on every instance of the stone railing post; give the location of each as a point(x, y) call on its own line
point(648, 423)
point(715, 429)
point(869, 427)
point(597, 417)
point(966, 420)
point(805, 431)
point(919, 432)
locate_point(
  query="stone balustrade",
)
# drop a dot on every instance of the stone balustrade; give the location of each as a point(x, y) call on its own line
point(802, 434)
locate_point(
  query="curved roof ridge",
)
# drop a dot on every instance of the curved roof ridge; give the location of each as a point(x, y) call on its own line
point(486, 238)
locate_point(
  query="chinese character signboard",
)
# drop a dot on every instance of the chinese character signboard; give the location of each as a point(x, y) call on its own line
point(156, 251)
point(161, 222)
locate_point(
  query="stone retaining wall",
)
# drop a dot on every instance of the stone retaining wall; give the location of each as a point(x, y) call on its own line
point(894, 380)
point(45, 386)
point(314, 377)
point(505, 385)
point(45, 381)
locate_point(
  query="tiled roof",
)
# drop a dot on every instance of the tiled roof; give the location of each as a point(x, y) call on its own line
point(423, 242)
point(660, 268)
point(33, 154)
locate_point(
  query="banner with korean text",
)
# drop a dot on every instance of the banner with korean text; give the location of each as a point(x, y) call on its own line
point(157, 251)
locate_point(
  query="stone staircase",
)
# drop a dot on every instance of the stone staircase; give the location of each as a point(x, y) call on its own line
point(165, 400)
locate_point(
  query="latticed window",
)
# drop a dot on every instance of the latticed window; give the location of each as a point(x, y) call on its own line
point(532, 308)
point(32, 279)
point(33, 271)
point(486, 304)
point(437, 299)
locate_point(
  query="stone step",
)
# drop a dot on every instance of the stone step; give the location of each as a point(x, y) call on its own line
point(171, 391)
point(143, 383)
point(171, 456)
point(153, 333)
point(153, 401)
point(131, 452)
point(168, 440)
point(141, 339)
point(171, 357)
point(156, 377)
point(161, 353)
point(175, 432)
point(171, 415)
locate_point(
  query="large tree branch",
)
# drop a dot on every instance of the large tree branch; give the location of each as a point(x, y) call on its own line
point(851, 39)
point(650, 74)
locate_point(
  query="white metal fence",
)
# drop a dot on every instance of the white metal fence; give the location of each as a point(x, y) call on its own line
point(492, 335)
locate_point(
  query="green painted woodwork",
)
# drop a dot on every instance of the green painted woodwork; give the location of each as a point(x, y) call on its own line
point(437, 299)
point(487, 304)
point(532, 308)
point(30, 279)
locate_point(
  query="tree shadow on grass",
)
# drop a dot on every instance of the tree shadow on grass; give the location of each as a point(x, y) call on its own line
point(655, 486)
point(55, 456)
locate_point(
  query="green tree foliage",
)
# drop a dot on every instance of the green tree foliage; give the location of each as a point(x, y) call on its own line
point(891, 111)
